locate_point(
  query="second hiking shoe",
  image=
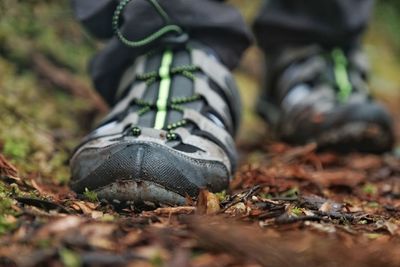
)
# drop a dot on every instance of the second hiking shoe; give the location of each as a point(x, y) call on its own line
point(319, 95)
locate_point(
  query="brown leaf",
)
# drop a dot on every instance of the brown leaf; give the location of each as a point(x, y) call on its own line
point(328, 178)
point(86, 207)
point(365, 162)
point(174, 210)
point(96, 214)
point(6, 168)
point(207, 203)
point(298, 152)
point(391, 227)
point(131, 238)
point(98, 235)
point(237, 209)
point(330, 206)
point(60, 225)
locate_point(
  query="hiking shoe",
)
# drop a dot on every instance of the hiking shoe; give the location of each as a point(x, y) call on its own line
point(168, 136)
point(320, 96)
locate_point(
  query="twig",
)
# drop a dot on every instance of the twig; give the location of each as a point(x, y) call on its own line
point(285, 219)
point(6, 168)
point(43, 204)
point(235, 199)
point(65, 80)
point(284, 198)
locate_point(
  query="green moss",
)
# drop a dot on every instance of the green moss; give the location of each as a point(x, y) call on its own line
point(373, 235)
point(6, 209)
point(266, 195)
point(373, 204)
point(6, 205)
point(5, 199)
point(157, 260)
point(107, 218)
point(293, 192)
point(90, 195)
point(16, 148)
point(297, 211)
point(70, 258)
point(6, 225)
point(44, 243)
point(370, 189)
point(221, 195)
point(59, 167)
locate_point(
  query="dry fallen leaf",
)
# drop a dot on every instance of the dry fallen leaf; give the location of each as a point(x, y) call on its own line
point(61, 225)
point(96, 214)
point(391, 227)
point(338, 178)
point(174, 210)
point(330, 206)
point(237, 209)
point(6, 168)
point(86, 207)
point(98, 235)
point(131, 238)
point(207, 203)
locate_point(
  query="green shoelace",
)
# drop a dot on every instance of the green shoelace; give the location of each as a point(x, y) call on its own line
point(341, 75)
point(162, 104)
point(163, 74)
point(167, 28)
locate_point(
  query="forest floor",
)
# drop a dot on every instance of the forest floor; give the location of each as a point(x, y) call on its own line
point(286, 206)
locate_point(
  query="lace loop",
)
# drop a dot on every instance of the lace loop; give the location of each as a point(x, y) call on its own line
point(173, 104)
point(167, 28)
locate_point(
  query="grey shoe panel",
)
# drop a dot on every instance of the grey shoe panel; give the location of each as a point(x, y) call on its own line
point(225, 81)
point(213, 132)
point(215, 101)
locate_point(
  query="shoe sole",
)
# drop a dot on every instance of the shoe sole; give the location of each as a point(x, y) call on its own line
point(367, 137)
point(356, 136)
point(128, 192)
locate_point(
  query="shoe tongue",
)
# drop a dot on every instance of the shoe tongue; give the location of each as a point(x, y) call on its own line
point(180, 86)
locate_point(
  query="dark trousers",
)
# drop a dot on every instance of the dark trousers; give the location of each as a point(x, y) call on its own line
point(220, 26)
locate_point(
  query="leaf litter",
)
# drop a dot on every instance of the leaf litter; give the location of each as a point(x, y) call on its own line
point(293, 207)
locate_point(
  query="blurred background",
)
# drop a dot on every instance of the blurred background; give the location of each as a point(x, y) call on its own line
point(46, 100)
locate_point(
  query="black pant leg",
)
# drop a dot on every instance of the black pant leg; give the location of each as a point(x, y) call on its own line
point(325, 22)
point(214, 23)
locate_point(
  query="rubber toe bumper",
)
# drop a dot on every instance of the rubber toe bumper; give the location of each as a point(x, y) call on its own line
point(140, 172)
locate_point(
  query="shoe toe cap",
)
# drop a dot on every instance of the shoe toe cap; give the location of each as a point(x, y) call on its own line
point(145, 172)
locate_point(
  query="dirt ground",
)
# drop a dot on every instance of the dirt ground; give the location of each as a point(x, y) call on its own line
point(286, 206)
